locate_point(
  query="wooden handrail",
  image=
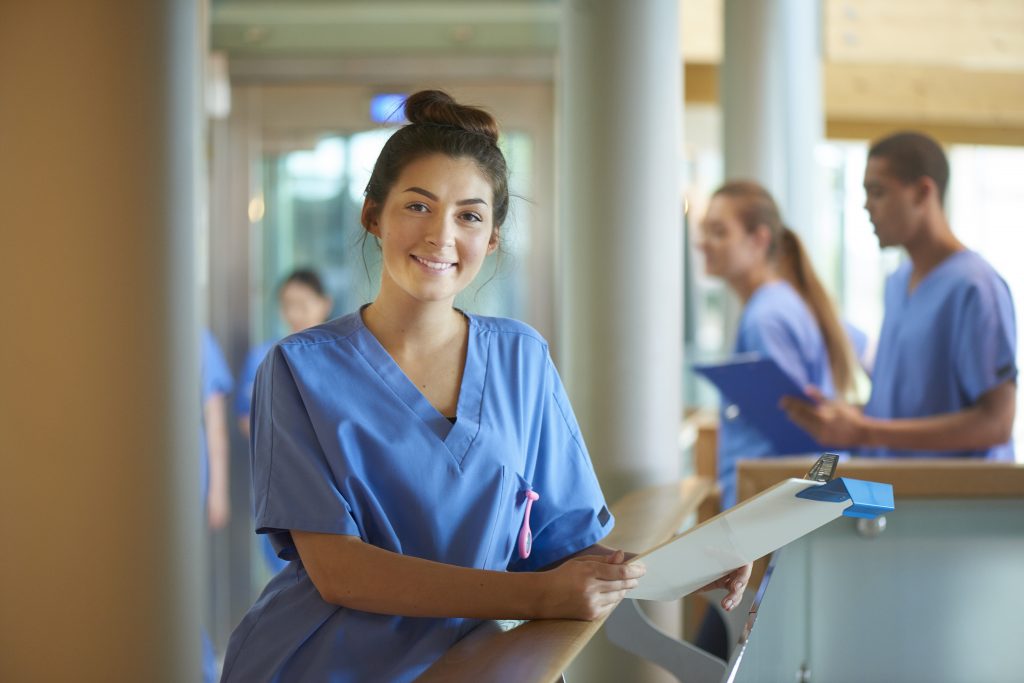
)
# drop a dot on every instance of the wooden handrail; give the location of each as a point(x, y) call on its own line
point(539, 651)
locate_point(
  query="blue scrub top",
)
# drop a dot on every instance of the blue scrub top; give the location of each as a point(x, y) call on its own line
point(942, 346)
point(777, 324)
point(215, 378)
point(344, 443)
point(246, 380)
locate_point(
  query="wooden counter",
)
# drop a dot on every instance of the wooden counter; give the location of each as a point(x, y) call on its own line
point(910, 478)
point(539, 651)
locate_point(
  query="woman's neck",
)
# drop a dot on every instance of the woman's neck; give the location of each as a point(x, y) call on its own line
point(752, 280)
point(403, 325)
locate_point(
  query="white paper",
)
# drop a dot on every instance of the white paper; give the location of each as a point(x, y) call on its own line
point(747, 532)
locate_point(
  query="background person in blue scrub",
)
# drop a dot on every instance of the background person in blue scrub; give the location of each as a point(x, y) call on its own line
point(787, 315)
point(421, 465)
point(945, 374)
point(303, 303)
point(215, 384)
point(213, 443)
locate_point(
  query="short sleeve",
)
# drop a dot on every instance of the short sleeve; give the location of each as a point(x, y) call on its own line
point(571, 513)
point(986, 345)
point(293, 486)
point(215, 375)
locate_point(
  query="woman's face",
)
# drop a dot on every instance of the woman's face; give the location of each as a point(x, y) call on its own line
point(435, 228)
point(301, 307)
point(730, 250)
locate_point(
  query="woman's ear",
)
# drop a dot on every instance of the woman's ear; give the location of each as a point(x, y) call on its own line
point(492, 244)
point(368, 217)
point(762, 236)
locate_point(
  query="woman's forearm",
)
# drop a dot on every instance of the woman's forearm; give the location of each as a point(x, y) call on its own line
point(358, 575)
point(361, 576)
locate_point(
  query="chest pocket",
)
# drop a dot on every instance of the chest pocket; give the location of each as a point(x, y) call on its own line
point(509, 523)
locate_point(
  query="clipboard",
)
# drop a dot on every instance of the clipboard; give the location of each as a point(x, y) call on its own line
point(754, 528)
point(755, 385)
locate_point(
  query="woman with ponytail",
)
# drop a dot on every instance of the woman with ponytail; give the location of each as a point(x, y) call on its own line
point(420, 466)
point(787, 315)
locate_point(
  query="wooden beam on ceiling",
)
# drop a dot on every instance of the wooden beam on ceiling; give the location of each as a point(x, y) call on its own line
point(975, 34)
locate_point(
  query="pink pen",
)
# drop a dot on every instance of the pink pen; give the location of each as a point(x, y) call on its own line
point(525, 535)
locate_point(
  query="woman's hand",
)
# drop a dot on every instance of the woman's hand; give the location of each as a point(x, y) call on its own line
point(734, 582)
point(587, 587)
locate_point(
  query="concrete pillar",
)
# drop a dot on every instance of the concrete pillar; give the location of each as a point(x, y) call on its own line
point(99, 397)
point(772, 105)
point(619, 252)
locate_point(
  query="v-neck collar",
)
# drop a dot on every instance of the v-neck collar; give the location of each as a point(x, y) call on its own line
point(456, 437)
point(909, 293)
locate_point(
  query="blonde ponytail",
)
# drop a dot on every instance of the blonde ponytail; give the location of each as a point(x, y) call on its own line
point(755, 207)
point(795, 267)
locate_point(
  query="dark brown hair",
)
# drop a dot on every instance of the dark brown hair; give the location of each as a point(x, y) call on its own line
point(912, 156)
point(307, 277)
point(754, 207)
point(440, 125)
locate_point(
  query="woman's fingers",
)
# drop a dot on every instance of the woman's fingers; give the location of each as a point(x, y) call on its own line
point(735, 583)
point(617, 586)
point(734, 595)
point(608, 571)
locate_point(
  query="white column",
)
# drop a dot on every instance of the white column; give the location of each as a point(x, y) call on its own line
point(772, 106)
point(99, 398)
point(620, 237)
point(620, 251)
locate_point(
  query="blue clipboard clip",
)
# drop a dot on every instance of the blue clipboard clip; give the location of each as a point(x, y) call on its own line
point(870, 499)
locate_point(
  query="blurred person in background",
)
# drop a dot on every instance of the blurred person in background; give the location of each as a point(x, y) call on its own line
point(787, 314)
point(215, 385)
point(944, 382)
point(302, 302)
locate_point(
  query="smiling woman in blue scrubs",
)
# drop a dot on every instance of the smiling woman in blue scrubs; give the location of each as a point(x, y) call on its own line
point(787, 315)
point(421, 465)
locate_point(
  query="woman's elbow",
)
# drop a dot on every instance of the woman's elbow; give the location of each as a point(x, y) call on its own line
point(328, 593)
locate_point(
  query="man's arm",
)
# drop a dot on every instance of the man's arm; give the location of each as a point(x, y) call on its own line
point(987, 423)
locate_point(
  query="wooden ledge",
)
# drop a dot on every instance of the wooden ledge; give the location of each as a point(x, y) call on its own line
point(539, 651)
point(910, 478)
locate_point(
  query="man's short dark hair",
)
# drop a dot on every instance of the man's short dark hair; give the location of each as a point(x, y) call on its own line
point(912, 156)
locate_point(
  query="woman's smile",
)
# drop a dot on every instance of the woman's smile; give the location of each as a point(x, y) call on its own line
point(435, 265)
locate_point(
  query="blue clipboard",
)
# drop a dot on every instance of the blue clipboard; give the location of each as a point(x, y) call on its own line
point(755, 385)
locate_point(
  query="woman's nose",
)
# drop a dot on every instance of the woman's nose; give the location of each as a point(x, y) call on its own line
point(441, 232)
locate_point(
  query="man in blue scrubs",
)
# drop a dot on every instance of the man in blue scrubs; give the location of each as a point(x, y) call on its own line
point(945, 374)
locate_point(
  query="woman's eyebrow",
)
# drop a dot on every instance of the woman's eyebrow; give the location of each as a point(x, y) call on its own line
point(430, 195)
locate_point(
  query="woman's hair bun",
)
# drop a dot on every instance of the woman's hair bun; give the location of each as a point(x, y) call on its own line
point(438, 107)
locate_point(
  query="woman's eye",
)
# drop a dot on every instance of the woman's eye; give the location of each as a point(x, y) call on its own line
point(419, 207)
point(471, 217)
